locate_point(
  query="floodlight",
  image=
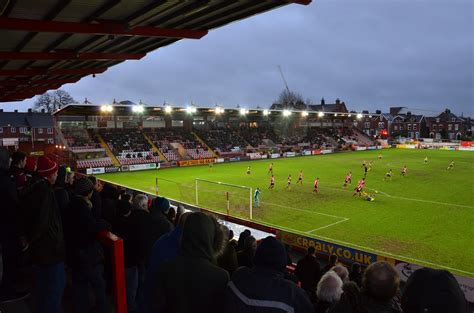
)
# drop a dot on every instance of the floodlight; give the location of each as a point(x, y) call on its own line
point(243, 111)
point(286, 112)
point(370, 116)
point(266, 112)
point(168, 109)
point(335, 114)
point(359, 115)
point(138, 108)
point(219, 110)
point(349, 115)
point(320, 114)
point(103, 108)
point(304, 113)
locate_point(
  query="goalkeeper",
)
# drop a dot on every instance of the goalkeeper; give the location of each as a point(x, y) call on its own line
point(256, 197)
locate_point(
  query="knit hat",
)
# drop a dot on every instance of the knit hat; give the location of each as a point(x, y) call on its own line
point(46, 167)
point(162, 204)
point(83, 186)
point(271, 254)
point(30, 164)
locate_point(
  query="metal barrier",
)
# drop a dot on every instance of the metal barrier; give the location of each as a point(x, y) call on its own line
point(115, 244)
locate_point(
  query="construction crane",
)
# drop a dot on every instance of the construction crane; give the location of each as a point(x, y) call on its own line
point(284, 80)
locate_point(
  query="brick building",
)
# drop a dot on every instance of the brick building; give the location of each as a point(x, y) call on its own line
point(446, 125)
point(26, 127)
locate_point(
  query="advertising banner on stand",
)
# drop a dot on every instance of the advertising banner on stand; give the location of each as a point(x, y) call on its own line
point(95, 171)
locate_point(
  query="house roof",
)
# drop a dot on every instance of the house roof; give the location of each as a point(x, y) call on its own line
point(13, 119)
point(45, 44)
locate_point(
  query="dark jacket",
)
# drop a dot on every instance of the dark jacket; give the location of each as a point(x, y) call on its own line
point(84, 250)
point(138, 238)
point(264, 290)
point(245, 257)
point(356, 278)
point(228, 259)
point(354, 301)
point(162, 224)
point(308, 272)
point(96, 201)
point(192, 282)
point(42, 222)
point(9, 215)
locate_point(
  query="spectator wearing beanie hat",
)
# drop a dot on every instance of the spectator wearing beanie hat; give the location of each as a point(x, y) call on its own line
point(85, 254)
point(43, 225)
point(159, 214)
point(263, 287)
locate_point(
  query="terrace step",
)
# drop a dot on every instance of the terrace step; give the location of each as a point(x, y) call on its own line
point(155, 148)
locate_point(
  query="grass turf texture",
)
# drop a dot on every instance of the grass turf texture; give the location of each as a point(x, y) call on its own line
point(426, 217)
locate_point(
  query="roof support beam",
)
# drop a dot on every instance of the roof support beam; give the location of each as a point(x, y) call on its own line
point(103, 28)
point(55, 71)
point(25, 82)
point(67, 55)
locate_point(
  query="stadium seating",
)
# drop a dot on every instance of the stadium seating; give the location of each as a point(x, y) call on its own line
point(102, 162)
point(78, 139)
point(221, 139)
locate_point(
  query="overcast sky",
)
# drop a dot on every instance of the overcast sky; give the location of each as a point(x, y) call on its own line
point(372, 54)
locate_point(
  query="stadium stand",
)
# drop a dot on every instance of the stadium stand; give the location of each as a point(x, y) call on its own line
point(78, 139)
point(220, 139)
point(129, 146)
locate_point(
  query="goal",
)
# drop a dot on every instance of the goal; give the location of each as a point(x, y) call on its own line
point(226, 198)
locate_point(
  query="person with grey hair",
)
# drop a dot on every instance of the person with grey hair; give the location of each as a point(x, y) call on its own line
point(9, 231)
point(328, 292)
point(138, 242)
point(341, 271)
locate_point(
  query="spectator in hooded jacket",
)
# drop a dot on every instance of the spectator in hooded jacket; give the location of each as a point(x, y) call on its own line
point(44, 231)
point(192, 282)
point(433, 291)
point(228, 259)
point(242, 236)
point(328, 292)
point(165, 249)
point(87, 256)
point(245, 256)
point(9, 231)
point(159, 213)
point(308, 272)
point(263, 288)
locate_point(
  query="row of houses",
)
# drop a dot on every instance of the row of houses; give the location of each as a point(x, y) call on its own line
point(404, 123)
point(26, 127)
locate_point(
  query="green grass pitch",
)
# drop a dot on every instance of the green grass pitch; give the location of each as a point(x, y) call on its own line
point(426, 217)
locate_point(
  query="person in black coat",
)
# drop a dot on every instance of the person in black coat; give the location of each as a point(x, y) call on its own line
point(9, 231)
point(85, 252)
point(308, 272)
point(356, 274)
point(245, 256)
point(60, 191)
point(138, 238)
point(96, 199)
point(159, 214)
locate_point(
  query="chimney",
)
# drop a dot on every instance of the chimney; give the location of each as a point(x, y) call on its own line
point(30, 110)
point(42, 110)
point(16, 111)
point(1, 110)
point(338, 101)
point(322, 101)
point(378, 112)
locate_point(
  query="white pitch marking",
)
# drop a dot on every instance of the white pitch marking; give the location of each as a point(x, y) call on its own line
point(421, 200)
point(326, 226)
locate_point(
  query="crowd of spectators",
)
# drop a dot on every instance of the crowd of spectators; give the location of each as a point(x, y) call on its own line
point(258, 137)
point(177, 261)
point(221, 139)
point(78, 139)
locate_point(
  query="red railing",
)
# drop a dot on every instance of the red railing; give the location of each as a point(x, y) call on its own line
point(115, 244)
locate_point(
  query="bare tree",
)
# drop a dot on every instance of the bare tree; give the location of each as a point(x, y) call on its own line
point(44, 102)
point(289, 100)
point(52, 101)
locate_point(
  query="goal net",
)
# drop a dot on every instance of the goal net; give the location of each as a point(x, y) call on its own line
point(226, 198)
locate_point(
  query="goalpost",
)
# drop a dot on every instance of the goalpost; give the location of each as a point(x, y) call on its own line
point(218, 196)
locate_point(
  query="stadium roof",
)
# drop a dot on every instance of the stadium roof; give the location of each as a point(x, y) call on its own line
point(46, 44)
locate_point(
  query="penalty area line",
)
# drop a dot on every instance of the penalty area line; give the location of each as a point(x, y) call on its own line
point(421, 200)
point(326, 226)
